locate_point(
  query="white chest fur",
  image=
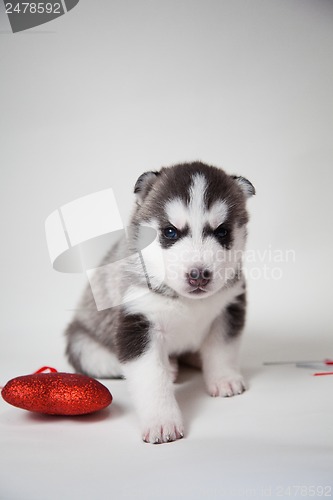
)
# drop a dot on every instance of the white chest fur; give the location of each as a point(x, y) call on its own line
point(182, 323)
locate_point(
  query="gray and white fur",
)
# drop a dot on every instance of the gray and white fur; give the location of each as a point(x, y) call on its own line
point(181, 297)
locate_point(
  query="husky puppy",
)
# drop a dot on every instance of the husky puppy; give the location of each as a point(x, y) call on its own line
point(184, 295)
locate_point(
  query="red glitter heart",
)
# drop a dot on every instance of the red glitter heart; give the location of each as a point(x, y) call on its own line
point(57, 393)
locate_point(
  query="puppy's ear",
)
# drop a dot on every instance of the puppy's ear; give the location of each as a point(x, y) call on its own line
point(245, 185)
point(144, 184)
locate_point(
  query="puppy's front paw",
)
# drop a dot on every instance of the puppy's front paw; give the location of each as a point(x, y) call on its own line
point(163, 431)
point(227, 386)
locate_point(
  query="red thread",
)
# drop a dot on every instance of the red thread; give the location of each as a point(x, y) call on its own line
point(46, 368)
point(327, 362)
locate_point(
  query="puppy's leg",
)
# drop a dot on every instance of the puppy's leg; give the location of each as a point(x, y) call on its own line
point(173, 368)
point(220, 352)
point(150, 384)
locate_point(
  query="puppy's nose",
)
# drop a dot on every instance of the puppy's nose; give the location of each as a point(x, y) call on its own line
point(199, 277)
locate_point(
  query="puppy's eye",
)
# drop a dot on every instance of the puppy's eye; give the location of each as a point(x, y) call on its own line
point(221, 232)
point(171, 233)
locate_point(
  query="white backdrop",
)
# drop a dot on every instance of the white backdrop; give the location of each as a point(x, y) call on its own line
point(114, 88)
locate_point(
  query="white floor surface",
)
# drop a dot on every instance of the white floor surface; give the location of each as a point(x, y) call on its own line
point(274, 441)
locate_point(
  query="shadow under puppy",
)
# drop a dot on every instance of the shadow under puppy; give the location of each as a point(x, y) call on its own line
point(184, 294)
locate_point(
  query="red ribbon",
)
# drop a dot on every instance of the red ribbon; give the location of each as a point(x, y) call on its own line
point(46, 368)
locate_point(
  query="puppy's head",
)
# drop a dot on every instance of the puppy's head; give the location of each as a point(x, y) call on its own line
point(200, 216)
